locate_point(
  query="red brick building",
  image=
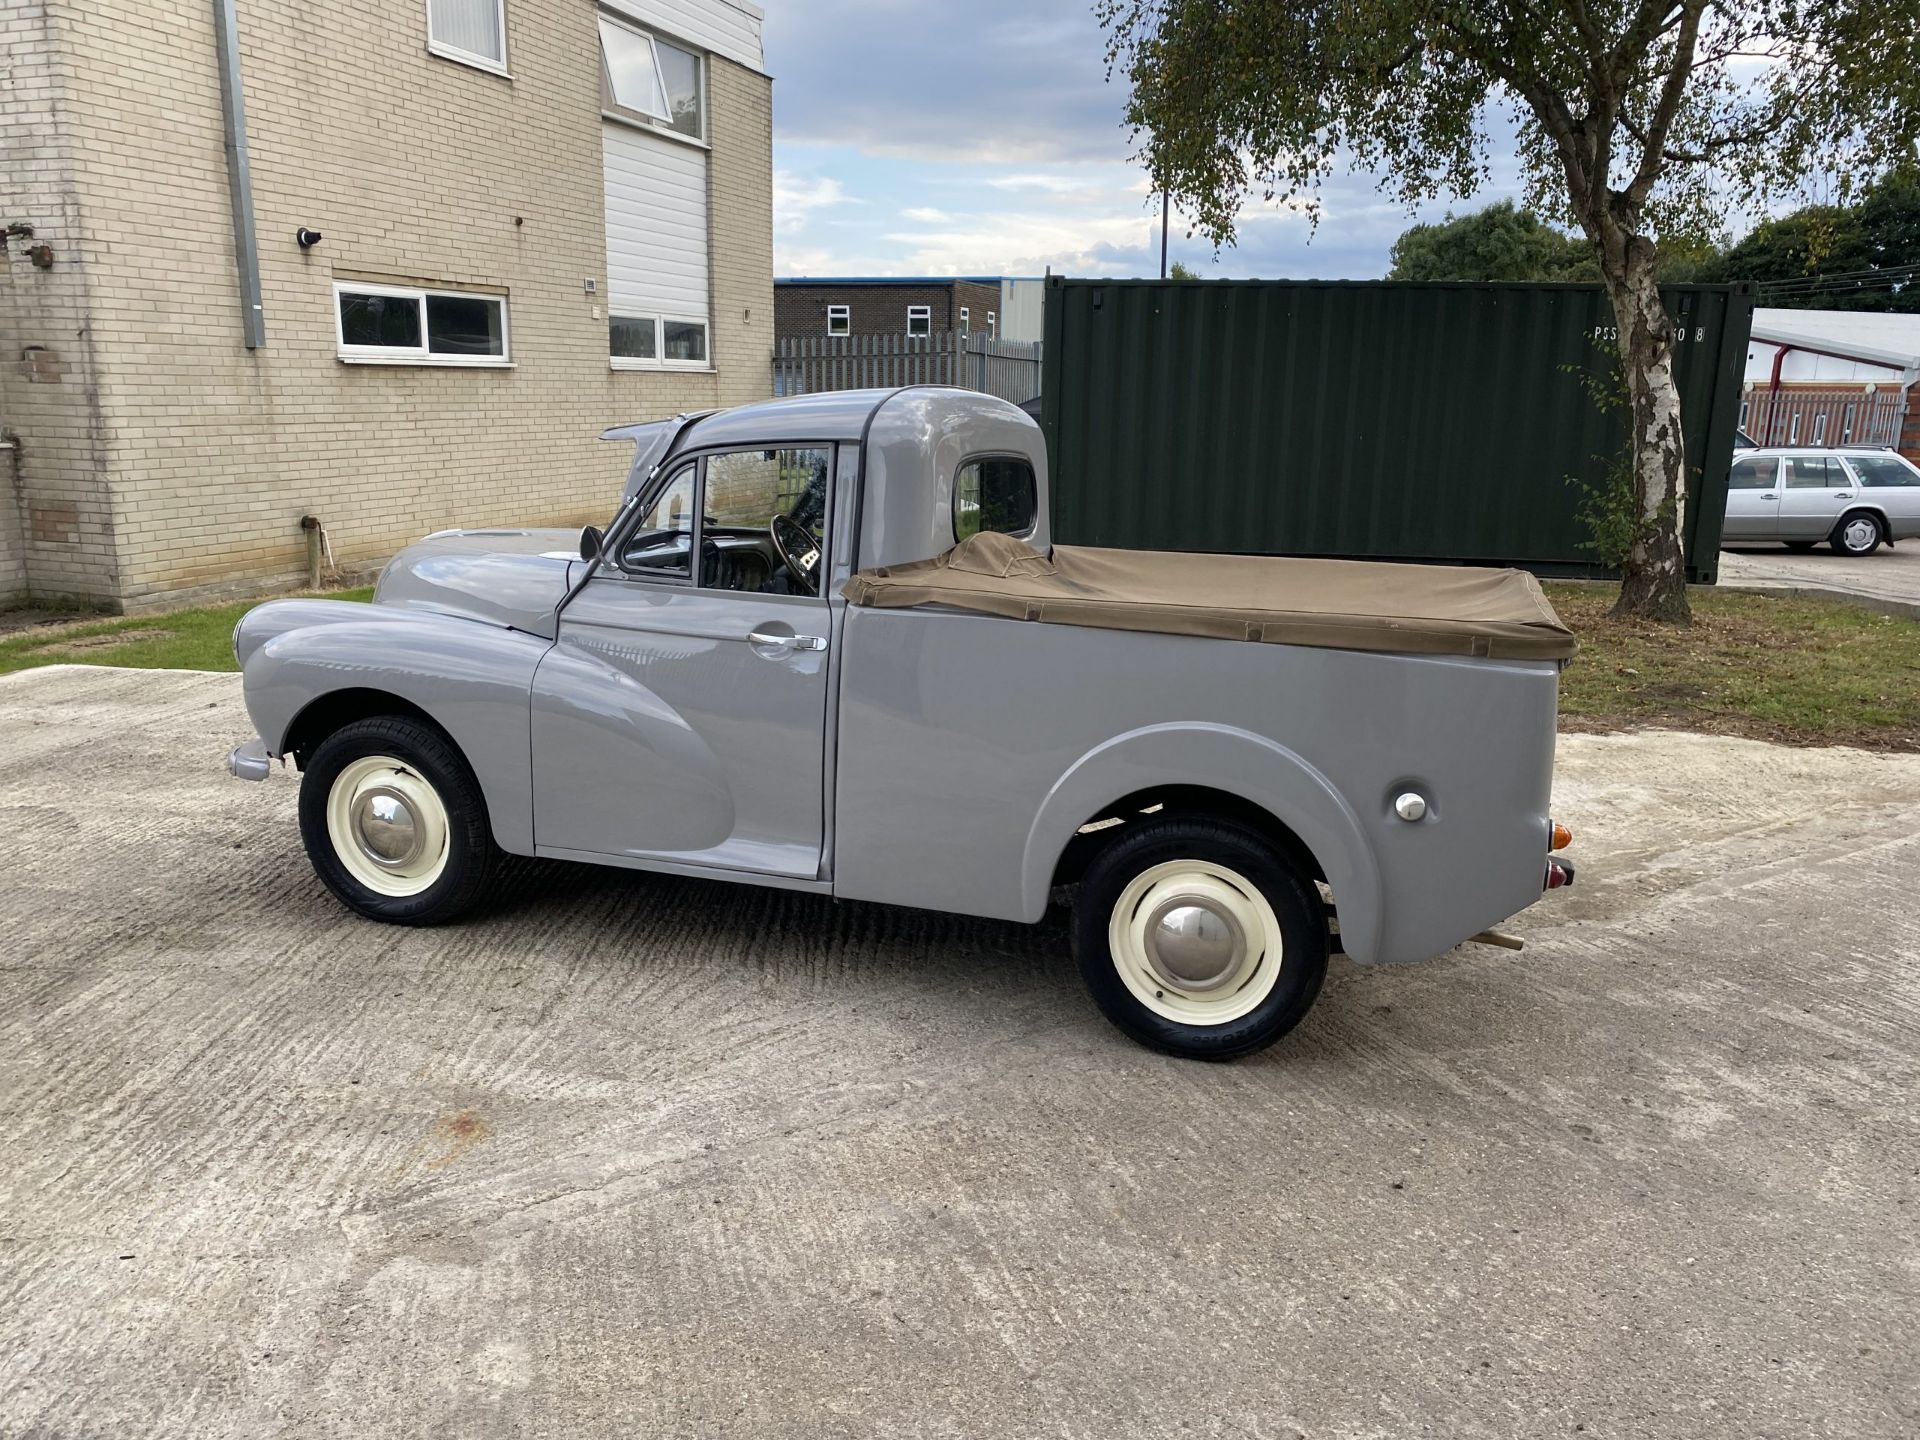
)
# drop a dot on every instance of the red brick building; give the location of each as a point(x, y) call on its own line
point(886, 305)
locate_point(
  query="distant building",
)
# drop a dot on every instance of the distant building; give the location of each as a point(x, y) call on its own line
point(1833, 377)
point(887, 305)
point(390, 265)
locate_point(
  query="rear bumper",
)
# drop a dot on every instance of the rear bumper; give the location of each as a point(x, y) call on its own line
point(249, 761)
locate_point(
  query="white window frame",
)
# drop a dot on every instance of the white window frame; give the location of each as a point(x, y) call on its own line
point(966, 322)
point(611, 109)
point(841, 315)
point(468, 57)
point(993, 326)
point(660, 362)
point(420, 355)
point(924, 314)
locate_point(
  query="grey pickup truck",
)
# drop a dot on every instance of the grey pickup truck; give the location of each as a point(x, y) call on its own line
point(826, 644)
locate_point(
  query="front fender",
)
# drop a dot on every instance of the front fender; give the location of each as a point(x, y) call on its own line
point(1216, 757)
point(474, 680)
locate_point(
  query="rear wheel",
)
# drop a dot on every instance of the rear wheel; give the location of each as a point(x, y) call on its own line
point(1857, 534)
point(394, 821)
point(1197, 937)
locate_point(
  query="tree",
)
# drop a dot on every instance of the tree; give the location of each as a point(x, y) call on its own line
point(1500, 242)
point(1836, 257)
point(1636, 118)
point(1181, 272)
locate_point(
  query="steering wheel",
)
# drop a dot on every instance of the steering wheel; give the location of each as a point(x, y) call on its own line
point(798, 550)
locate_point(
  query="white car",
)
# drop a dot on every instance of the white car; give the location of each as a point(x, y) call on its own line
point(1853, 498)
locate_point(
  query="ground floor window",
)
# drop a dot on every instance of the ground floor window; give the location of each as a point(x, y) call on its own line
point(656, 339)
point(404, 325)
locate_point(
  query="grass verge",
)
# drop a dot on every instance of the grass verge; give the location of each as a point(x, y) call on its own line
point(200, 639)
point(1789, 668)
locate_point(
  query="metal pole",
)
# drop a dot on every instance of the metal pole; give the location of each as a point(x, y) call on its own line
point(233, 104)
point(1163, 234)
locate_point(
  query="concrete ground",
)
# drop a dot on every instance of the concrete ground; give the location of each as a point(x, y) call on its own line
point(638, 1156)
point(1887, 580)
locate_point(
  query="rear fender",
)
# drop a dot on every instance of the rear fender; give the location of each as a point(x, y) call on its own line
point(473, 680)
point(1215, 757)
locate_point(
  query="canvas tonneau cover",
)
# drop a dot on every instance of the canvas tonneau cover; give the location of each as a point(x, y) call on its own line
point(1332, 604)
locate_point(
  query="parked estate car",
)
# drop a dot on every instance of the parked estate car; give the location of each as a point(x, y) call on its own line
point(825, 644)
point(1853, 498)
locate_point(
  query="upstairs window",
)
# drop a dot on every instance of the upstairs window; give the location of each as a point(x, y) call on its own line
point(919, 320)
point(966, 322)
point(474, 32)
point(400, 325)
point(993, 326)
point(652, 81)
point(839, 320)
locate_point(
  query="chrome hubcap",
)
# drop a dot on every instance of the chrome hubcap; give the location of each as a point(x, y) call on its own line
point(1193, 946)
point(385, 826)
point(1859, 534)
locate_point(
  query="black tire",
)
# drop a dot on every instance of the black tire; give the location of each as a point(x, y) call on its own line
point(1839, 537)
point(1295, 903)
point(471, 854)
point(1800, 546)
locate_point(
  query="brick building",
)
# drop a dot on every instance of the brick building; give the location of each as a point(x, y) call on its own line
point(885, 305)
point(1833, 377)
point(477, 232)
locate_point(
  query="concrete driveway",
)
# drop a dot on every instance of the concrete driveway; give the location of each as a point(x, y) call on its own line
point(1887, 580)
point(635, 1156)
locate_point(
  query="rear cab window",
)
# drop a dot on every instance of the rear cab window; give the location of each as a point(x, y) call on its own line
point(996, 493)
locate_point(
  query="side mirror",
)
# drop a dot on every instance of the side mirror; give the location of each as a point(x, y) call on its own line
point(590, 539)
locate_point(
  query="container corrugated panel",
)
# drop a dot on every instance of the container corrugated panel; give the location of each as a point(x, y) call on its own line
point(1368, 419)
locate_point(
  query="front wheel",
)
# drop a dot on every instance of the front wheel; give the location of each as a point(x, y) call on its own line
point(394, 821)
point(1199, 938)
point(1857, 534)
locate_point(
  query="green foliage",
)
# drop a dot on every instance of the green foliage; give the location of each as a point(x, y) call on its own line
point(1804, 251)
point(200, 639)
point(1180, 272)
point(1500, 242)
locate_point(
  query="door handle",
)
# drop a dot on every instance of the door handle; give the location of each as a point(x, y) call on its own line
point(1843, 494)
point(772, 641)
point(1770, 496)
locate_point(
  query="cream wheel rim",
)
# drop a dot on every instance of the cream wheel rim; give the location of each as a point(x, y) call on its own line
point(1195, 942)
point(388, 826)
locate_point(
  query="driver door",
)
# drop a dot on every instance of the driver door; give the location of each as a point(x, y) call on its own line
point(681, 714)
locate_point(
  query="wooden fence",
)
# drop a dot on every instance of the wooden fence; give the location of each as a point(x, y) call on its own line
point(809, 364)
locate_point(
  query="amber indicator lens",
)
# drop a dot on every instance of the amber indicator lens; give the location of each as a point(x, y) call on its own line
point(1562, 837)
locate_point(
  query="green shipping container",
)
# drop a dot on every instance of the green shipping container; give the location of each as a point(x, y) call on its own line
point(1366, 419)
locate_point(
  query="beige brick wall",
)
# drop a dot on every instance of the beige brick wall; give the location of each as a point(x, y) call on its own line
point(56, 511)
point(413, 168)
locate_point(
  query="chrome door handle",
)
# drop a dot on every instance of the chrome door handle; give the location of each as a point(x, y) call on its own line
point(1843, 494)
point(786, 642)
point(1769, 496)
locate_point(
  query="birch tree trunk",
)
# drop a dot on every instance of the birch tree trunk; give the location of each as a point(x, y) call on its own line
point(1654, 574)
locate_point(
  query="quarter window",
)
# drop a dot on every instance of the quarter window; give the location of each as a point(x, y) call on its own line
point(919, 320)
point(399, 325)
point(647, 79)
point(997, 494)
point(839, 320)
point(1876, 471)
point(473, 32)
point(1753, 474)
point(663, 545)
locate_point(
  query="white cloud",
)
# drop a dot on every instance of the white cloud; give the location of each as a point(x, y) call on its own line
point(797, 197)
point(1051, 184)
point(926, 215)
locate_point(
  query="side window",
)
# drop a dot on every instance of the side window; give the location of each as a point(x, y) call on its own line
point(747, 490)
point(1754, 474)
point(1882, 470)
point(1814, 472)
point(663, 545)
point(997, 494)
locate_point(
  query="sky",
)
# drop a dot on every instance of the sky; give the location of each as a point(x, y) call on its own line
point(981, 137)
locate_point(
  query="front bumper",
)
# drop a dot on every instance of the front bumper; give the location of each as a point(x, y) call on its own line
point(249, 761)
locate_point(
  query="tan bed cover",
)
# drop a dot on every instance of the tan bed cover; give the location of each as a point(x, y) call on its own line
point(1333, 604)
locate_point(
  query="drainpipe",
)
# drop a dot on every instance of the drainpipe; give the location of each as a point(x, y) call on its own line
point(1773, 394)
point(233, 106)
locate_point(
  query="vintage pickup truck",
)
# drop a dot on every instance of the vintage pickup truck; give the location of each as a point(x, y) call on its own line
point(826, 644)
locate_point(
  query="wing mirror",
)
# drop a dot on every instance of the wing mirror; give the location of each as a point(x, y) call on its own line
point(590, 539)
